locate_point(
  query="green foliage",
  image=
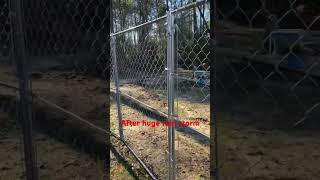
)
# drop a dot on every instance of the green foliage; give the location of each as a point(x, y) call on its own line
point(162, 10)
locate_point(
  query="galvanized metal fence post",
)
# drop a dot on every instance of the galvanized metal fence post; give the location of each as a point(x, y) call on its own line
point(170, 93)
point(116, 80)
point(25, 115)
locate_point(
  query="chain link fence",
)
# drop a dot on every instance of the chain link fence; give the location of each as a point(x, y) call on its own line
point(13, 125)
point(139, 57)
point(68, 53)
point(63, 71)
point(160, 72)
point(6, 44)
point(192, 91)
point(267, 88)
point(73, 33)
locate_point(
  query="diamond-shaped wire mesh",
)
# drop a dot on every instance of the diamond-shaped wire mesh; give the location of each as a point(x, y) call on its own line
point(192, 91)
point(10, 127)
point(140, 60)
point(7, 72)
point(7, 68)
point(67, 59)
point(267, 87)
point(5, 32)
point(141, 56)
point(73, 32)
point(193, 63)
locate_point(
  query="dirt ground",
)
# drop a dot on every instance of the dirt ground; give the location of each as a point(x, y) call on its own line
point(188, 107)
point(86, 96)
point(249, 153)
point(193, 161)
point(56, 159)
point(193, 158)
point(246, 151)
point(83, 96)
point(258, 139)
point(254, 142)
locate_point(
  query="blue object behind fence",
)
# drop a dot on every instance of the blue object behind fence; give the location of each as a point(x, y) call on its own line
point(201, 78)
point(284, 40)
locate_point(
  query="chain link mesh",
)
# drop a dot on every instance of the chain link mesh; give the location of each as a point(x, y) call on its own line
point(68, 52)
point(5, 32)
point(141, 56)
point(67, 60)
point(11, 129)
point(192, 97)
point(267, 86)
point(6, 70)
point(73, 33)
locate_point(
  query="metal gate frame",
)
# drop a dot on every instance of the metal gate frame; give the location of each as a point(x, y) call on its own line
point(170, 76)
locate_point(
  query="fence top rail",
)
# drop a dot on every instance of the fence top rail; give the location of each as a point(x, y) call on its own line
point(188, 6)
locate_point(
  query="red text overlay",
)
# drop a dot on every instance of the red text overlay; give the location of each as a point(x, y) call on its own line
point(143, 122)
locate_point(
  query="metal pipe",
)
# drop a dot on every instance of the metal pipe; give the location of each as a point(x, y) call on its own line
point(25, 114)
point(116, 79)
point(140, 25)
point(170, 93)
